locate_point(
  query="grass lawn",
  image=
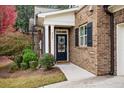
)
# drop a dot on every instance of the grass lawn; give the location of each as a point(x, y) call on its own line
point(32, 81)
point(28, 78)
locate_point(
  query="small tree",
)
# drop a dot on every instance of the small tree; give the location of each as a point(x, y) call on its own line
point(24, 12)
point(7, 17)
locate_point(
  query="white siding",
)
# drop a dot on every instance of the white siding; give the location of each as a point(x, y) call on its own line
point(61, 19)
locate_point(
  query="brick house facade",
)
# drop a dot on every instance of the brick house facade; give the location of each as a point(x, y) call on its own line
point(94, 55)
point(93, 59)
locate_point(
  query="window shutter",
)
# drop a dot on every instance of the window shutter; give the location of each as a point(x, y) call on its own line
point(89, 34)
point(77, 37)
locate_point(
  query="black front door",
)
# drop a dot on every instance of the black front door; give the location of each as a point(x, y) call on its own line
point(61, 47)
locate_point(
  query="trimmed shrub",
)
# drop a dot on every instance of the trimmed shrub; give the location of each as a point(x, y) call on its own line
point(13, 67)
point(18, 60)
point(24, 66)
point(47, 61)
point(29, 56)
point(33, 65)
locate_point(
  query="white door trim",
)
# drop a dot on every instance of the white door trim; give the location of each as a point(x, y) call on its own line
point(66, 33)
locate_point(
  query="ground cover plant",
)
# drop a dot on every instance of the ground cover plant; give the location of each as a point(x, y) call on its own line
point(27, 78)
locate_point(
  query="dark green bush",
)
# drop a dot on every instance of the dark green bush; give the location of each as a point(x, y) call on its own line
point(13, 67)
point(24, 66)
point(18, 60)
point(47, 61)
point(33, 65)
point(26, 50)
point(29, 56)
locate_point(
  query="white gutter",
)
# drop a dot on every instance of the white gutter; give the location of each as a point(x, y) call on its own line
point(115, 8)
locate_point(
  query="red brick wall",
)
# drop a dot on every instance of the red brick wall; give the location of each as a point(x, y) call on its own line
point(103, 42)
point(85, 57)
point(95, 59)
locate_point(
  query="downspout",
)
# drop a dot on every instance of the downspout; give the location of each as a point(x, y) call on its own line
point(111, 36)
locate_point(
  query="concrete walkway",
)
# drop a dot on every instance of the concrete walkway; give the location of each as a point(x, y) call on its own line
point(80, 78)
point(73, 72)
point(94, 82)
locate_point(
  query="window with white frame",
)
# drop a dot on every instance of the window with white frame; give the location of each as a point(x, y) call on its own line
point(83, 35)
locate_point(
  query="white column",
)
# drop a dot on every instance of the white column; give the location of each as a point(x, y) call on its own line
point(46, 38)
point(52, 39)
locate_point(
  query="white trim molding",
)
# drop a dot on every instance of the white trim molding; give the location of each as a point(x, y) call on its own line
point(115, 8)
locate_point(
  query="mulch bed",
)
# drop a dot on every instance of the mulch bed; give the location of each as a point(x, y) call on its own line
point(4, 60)
point(4, 70)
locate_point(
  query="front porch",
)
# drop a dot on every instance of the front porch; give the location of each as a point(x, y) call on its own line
point(57, 26)
point(57, 42)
